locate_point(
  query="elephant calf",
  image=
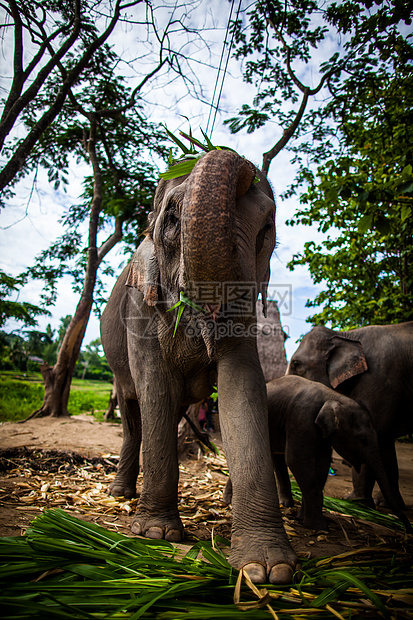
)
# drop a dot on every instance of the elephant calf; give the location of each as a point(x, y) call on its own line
point(306, 420)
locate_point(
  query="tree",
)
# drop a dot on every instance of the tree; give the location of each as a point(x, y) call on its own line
point(92, 363)
point(357, 139)
point(365, 196)
point(278, 34)
point(50, 39)
point(105, 125)
point(20, 311)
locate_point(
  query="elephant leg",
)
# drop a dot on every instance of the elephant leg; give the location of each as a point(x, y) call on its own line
point(363, 483)
point(283, 480)
point(259, 543)
point(157, 515)
point(389, 459)
point(227, 495)
point(128, 468)
point(310, 469)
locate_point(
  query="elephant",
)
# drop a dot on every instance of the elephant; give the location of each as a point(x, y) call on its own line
point(373, 365)
point(181, 319)
point(306, 420)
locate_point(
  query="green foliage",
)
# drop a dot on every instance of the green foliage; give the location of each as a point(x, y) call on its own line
point(68, 568)
point(190, 156)
point(21, 394)
point(364, 196)
point(354, 149)
point(92, 363)
point(20, 311)
point(127, 145)
point(89, 396)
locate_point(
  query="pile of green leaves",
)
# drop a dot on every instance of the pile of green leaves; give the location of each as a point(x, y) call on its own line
point(66, 568)
point(353, 509)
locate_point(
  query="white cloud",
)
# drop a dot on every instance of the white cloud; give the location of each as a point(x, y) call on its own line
point(23, 236)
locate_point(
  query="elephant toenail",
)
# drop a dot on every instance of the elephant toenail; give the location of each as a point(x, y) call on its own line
point(154, 532)
point(281, 574)
point(173, 536)
point(136, 528)
point(256, 572)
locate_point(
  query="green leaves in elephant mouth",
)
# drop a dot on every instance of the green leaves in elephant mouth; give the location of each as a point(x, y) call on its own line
point(181, 305)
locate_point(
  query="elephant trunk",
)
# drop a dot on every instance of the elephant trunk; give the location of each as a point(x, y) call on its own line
point(209, 238)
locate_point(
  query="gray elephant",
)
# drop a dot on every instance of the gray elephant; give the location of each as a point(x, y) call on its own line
point(186, 322)
point(373, 365)
point(306, 420)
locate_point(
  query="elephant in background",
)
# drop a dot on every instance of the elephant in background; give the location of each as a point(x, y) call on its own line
point(306, 420)
point(373, 365)
point(180, 320)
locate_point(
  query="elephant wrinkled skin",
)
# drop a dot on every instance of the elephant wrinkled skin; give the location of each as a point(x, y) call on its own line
point(373, 365)
point(210, 237)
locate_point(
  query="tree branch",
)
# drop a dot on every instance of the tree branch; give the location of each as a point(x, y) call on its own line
point(111, 241)
point(287, 134)
point(22, 101)
point(307, 92)
point(19, 157)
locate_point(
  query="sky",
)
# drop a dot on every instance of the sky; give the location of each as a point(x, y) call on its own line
point(30, 223)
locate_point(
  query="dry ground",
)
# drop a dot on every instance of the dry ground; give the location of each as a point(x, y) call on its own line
point(31, 482)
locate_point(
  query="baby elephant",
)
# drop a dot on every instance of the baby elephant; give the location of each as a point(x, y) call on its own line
point(306, 420)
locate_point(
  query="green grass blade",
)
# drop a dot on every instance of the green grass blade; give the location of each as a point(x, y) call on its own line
point(353, 580)
point(177, 141)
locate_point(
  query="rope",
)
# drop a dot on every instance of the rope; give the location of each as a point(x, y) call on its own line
point(216, 106)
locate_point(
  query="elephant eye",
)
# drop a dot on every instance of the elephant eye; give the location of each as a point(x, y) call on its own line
point(171, 219)
point(295, 365)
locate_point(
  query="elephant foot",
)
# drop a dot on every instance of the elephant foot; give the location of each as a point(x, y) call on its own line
point(120, 488)
point(286, 501)
point(275, 564)
point(280, 574)
point(380, 502)
point(169, 527)
point(357, 497)
point(319, 524)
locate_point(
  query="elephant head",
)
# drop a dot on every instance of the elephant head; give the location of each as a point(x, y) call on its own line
point(209, 228)
point(349, 428)
point(327, 357)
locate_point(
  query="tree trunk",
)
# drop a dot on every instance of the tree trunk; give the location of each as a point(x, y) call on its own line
point(58, 378)
point(113, 403)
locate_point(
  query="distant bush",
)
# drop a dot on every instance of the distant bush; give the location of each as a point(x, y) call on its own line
point(19, 398)
point(83, 402)
point(20, 395)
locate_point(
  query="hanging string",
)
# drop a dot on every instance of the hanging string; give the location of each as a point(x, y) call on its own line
point(216, 106)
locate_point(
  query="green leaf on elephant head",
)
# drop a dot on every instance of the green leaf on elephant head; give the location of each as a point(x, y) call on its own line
point(186, 162)
point(182, 168)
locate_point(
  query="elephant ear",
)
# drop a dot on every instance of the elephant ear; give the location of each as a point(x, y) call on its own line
point(144, 274)
point(327, 418)
point(346, 359)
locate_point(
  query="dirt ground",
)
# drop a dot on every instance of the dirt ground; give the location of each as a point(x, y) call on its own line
point(42, 474)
